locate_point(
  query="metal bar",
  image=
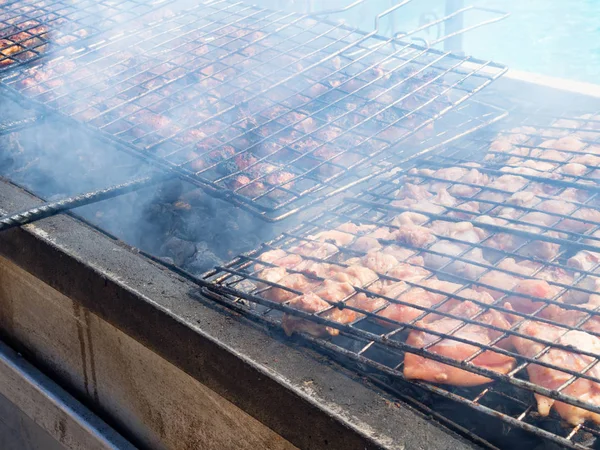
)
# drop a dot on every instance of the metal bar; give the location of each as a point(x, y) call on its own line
point(47, 405)
point(20, 124)
point(52, 208)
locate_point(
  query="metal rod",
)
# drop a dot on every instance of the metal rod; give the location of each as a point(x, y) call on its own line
point(52, 208)
point(18, 125)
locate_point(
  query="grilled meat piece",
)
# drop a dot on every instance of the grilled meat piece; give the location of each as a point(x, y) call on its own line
point(293, 281)
point(585, 390)
point(531, 288)
point(420, 368)
point(418, 296)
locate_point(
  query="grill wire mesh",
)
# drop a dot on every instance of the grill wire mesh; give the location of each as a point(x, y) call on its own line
point(264, 108)
point(31, 28)
point(553, 248)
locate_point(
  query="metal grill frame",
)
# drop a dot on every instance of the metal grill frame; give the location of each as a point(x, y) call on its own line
point(357, 171)
point(220, 283)
point(14, 14)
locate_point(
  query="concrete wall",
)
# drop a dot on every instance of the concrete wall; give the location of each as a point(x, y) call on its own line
point(149, 400)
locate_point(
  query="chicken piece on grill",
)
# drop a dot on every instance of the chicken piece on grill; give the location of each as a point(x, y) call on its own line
point(380, 233)
point(319, 269)
point(409, 218)
point(588, 218)
point(445, 173)
point(495, 279)
point(427, 206)
point(376, 260)
point(464, 231)
point(573, 169)
point(354, 229)
point(336, 237)
point(420, 368)
point(552, 378)
point(472, 268)
point(556, 206)
point(555, 274)
point(522, 199)
point(567, 143)
point(334, 291)
point(471, 264)
point(321, 299)
point(508, 142)
point(531, 288)
point(524, 169)
point(418, 296)
point(293, 281)
point(538, 167)
point(271, 275)
point(310, 303)
point(586, 160)
point(465, 188)
point(356, 275)
point(584, 260)
point(319, 250)
point(413, 192)
point(509, 183)
point(417, 197)
point(413, 235)
point(584, 320)
point(8, 48)
point(409, 272)
point(280, 258)
point(398, 252)
point(365, 244)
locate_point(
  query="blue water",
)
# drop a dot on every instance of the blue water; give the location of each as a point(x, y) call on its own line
point(554, 37)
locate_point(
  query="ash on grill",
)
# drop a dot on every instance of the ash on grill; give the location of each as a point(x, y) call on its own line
point(174, 222)
point(266, 106)
point(455, 274)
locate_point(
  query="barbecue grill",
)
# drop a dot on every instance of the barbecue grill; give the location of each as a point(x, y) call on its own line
point(377, 348)
point(278, 113)
point(263, 108)
point(30, 29)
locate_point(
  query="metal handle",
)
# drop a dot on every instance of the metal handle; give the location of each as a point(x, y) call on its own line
point(388, 11)
point(336, 11)
point(17, 125)
point(358, 2)
point(52, 208)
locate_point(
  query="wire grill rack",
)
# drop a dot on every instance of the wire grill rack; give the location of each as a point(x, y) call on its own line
point(532, 241)
point(264, 108)
point(31, 28)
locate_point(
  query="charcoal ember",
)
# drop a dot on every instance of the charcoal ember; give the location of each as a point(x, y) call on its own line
point(160, 215)
point(202, 261)
point(178, 249)
point(197, 197)
point(193, 226)
point(169, 191)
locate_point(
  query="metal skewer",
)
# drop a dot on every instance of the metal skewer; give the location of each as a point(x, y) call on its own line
point(52, 208)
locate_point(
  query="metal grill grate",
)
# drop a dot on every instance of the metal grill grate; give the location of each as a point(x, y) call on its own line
point(264, 108)
point(29, 29)
point(515, 230)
